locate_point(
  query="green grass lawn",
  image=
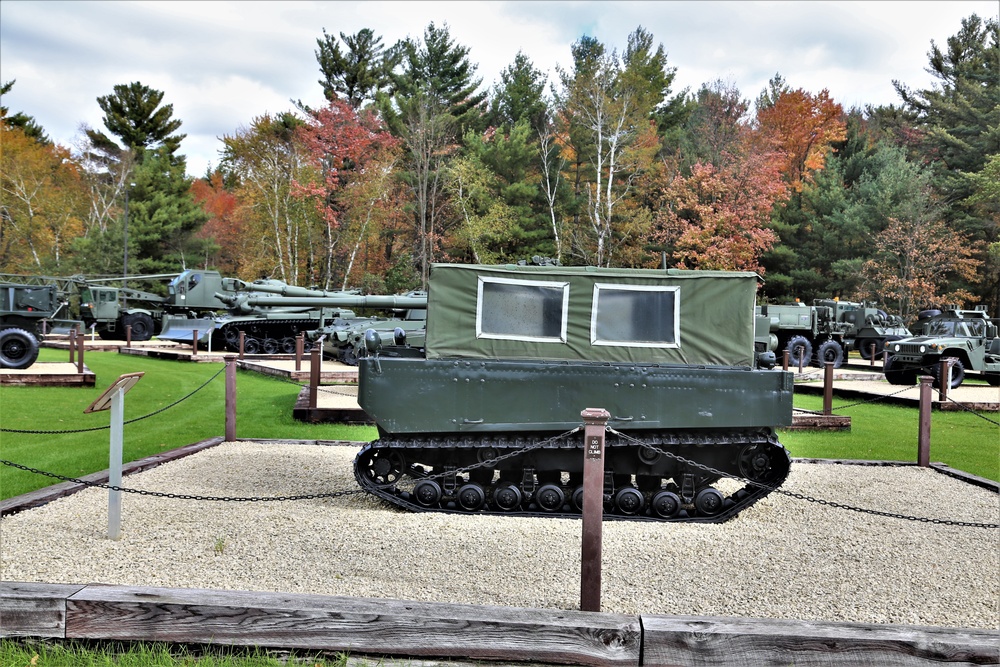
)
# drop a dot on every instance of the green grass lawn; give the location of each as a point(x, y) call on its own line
point(264, 410)
point(881, 431)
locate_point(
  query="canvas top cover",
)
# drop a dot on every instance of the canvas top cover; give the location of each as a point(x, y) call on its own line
point(666, 316)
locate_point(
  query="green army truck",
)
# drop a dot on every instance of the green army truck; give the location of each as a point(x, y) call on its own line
point(22, 310)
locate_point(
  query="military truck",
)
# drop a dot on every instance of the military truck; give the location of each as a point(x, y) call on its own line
point(868, 325)
point(811, 334)
point(109, 310)
point(22, 310)
point(967, 338)
point(485, 417)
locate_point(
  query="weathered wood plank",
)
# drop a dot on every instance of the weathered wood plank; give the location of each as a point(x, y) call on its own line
point(739, 642)
point(33, 609)
point(377, 627)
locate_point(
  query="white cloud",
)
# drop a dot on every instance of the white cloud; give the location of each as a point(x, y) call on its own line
point(223, 63)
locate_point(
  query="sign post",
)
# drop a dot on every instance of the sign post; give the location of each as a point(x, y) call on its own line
point(595, 421)
point(113, 398)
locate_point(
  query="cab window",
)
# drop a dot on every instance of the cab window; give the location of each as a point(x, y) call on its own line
point(635, 316)
point(512, 309)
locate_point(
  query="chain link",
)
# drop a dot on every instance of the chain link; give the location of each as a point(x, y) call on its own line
point(799, 496)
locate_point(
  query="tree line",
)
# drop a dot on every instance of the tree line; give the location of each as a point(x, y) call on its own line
point(411, 160)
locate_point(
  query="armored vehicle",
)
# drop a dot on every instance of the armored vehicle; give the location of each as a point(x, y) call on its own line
point(966, 337)
point(485, 419)
point(22, 309)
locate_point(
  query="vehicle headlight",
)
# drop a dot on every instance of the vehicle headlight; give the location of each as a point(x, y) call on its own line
point(895, 348)
point(923, 348)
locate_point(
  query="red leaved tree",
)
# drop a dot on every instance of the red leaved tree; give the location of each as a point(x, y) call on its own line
point(224, 226)
point(717, 218)
point(351, 150)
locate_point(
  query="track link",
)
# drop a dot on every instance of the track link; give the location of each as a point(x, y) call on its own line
point(649, 476)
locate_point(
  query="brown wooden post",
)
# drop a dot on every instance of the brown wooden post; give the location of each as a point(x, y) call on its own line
point(243, 338)
point(944, 372)
point(873, 346)
point(828, 388)
point(314, 361)
point(230, 360)
point(595, 421)
point(802, 360)
point(924, 434)
point(80, 344)
point(784, 360)
point(72, 345)
point(45, 327)
point(128, 335)
point(194, 343)
point(300, 345)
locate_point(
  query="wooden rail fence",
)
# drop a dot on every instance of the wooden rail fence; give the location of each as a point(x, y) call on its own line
point(460, 631)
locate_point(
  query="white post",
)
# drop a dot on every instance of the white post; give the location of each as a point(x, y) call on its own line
point(115, 464)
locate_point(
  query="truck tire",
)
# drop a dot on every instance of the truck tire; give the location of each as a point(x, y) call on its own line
point(898, 376)
point(18, 348)
point(799, 348)
point(992, 379)
point(864, 346)
point(957, 374)
point(830, 351)
point(141, 323)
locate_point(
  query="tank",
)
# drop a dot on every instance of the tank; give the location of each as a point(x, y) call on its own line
point(486, 419)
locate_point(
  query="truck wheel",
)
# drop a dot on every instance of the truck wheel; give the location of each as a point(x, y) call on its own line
point(142, 325)
point(957, 374)
point(18, 348)
point(898, 376)
point(864, 346)
point(798, 348)
point(830, 351)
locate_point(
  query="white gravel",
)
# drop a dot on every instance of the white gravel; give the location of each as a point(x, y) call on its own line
point(782, 558)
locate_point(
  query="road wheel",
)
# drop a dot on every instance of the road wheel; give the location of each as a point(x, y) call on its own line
point(799, 348)
point(830, 351)
point(18, 348)
point(142, 325)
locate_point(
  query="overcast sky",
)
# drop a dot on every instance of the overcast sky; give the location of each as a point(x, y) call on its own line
point(223, 63)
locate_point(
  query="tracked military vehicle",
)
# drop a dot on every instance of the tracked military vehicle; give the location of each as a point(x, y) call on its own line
point(486, 417)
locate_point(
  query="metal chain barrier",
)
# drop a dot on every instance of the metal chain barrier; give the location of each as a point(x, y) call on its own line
point(127, 421)
point(181, 496)
point(799, 496)
point(970, 410)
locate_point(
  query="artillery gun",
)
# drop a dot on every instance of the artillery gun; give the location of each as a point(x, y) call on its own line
point(272, 314)
point(22, 310)
point(484, 418)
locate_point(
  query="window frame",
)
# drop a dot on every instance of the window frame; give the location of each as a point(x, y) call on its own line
point(675, 289)
point(564, 310)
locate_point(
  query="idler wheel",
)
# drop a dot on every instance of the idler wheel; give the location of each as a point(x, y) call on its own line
point(384, 468)
point(577, 498)
point(709, 501)
point(666, 504)
point(550, 497)
point(471, 497)
point(507, 498)
point(629, 501)
point(427, 492)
